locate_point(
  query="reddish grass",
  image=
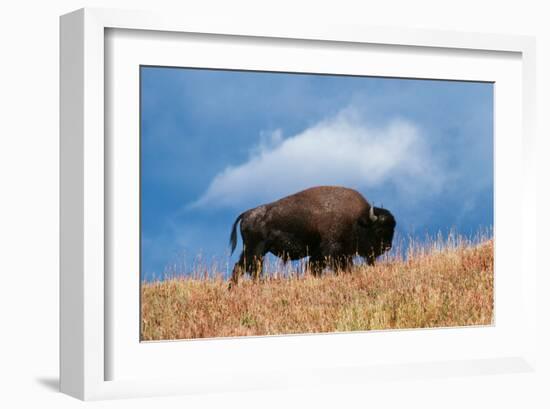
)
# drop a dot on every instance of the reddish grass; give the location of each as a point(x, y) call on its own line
point(445, 284)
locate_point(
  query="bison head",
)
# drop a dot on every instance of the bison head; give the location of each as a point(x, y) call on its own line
point(376, 233)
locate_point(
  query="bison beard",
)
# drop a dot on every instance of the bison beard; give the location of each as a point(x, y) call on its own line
point(329, 224)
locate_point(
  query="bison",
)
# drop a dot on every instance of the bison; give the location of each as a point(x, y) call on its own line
point(330, 224)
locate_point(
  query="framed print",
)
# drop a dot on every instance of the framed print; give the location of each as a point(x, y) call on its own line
point(291, 205)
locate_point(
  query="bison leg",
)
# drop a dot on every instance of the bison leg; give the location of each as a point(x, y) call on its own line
point(249, 262)
point(238, 270)
point(256, 266)
point(370, 260)
point(316, 265)
point(331, 252)
point(257, 261)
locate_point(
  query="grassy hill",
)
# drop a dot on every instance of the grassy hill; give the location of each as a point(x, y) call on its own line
point(439, 285)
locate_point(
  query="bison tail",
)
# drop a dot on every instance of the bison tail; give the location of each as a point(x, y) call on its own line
point(233, 239)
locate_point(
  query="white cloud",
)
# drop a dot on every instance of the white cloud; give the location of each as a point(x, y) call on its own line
point(342, 150)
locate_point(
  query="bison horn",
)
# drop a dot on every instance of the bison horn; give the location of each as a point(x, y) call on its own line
point(372, 216)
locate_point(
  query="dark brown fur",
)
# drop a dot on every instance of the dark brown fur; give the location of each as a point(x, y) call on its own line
point(329, 224)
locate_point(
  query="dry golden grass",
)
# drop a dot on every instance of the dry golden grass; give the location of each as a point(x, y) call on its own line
point(442, 285)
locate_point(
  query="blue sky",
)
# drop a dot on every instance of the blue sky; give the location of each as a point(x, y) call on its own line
point(215, 143)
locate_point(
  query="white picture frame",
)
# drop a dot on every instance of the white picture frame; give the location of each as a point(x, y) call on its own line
point(85, 291)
